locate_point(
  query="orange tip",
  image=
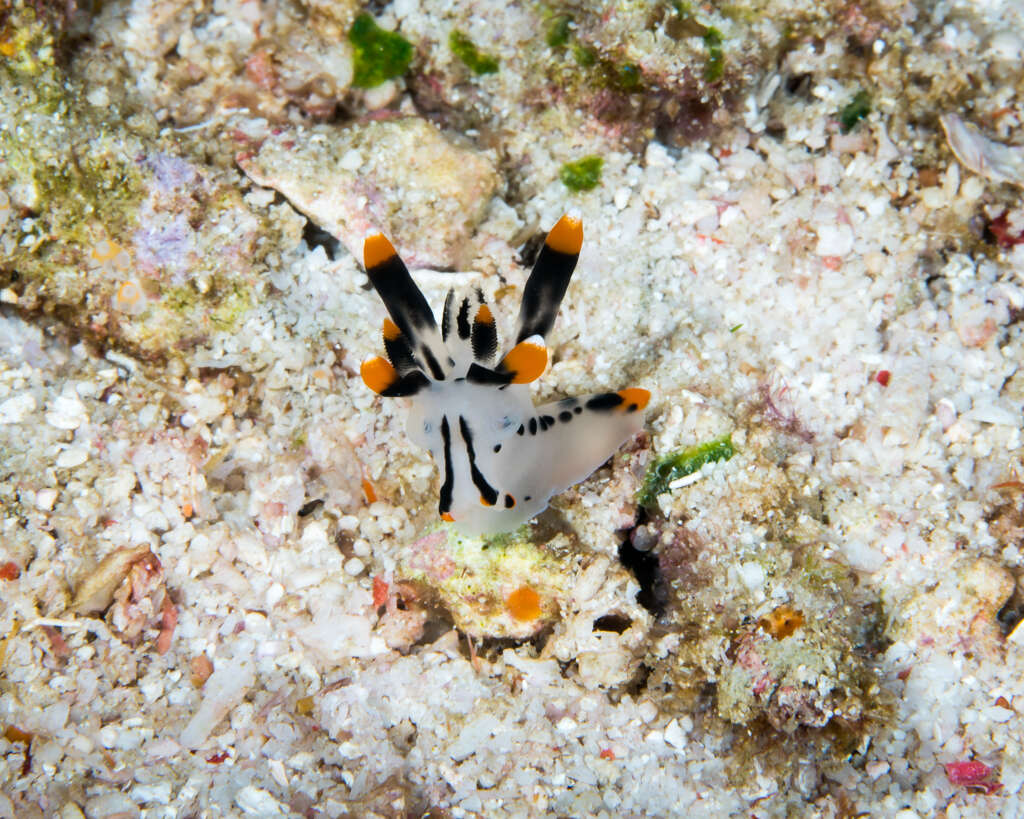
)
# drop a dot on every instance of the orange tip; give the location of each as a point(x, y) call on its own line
point(527, 360)
point(566, 236)
point(378, 374)
point(377, 250)
point(446, 516)
point(524, 604)
point(484, 315)
point(635, 398)
point(105, 250)
point(390, 330)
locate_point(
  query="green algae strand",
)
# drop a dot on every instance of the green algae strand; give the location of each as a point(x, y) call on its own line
point(681, 463)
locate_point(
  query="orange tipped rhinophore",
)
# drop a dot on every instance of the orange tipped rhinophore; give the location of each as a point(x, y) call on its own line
point(484, 315)
point(527, 360)
point(378, 374)
point(566, 236)
point(377, 250)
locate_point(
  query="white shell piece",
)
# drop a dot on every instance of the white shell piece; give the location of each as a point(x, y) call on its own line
point(1000, 163)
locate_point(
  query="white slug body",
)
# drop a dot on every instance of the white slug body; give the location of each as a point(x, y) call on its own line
point(500, 458)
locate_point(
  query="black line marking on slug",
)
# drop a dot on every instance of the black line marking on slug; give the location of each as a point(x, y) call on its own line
point(432, 364)
point(485, 375)
point(604, 401)
point(487, 492)
point(408, 384)
point(445, 504)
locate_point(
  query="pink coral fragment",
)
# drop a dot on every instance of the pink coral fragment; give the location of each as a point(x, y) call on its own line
point(972, 774)
point(431, 558)
point(168, 622)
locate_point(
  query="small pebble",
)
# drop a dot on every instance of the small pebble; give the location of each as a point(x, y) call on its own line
point(17, 408)
point(67, 412)
point(72, 457)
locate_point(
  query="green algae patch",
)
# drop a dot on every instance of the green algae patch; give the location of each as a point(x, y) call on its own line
point(475, 60)
point(559, 31)
point(378, 55)
point(585, 57)
point(626, 77)
point(715, 66)
point(681, 463)
point(583, 174)
point(855, 110)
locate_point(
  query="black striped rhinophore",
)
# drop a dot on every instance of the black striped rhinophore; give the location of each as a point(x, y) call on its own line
point(544, 291)
point(462, 320)
point(485, 337)
point(446, 315)
point(406, 305)
point(400, 354)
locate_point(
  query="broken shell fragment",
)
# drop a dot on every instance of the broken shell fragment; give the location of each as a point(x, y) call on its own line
point(993, 160)
point(96, 591)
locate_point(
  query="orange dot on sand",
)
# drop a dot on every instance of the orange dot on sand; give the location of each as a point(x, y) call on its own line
point(524, 604)
point(128, 293)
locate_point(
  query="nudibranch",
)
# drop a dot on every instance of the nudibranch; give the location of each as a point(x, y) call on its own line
point(501, 459)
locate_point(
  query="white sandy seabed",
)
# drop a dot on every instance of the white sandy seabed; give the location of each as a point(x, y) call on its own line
point(802, 264)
